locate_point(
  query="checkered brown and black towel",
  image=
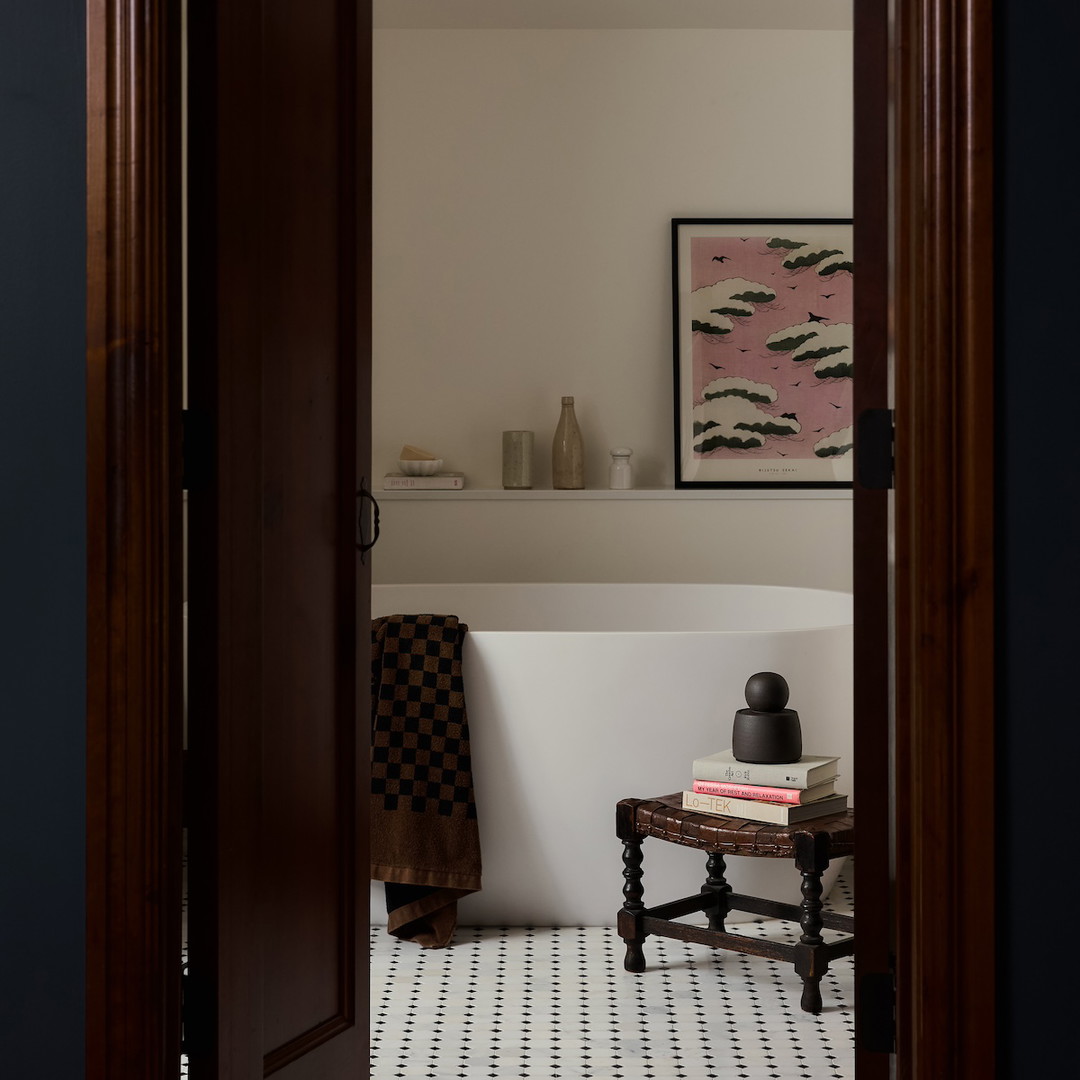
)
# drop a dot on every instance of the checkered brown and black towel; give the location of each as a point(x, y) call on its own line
point(425, 844)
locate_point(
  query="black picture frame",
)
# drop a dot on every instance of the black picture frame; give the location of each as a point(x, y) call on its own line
point(776, 309)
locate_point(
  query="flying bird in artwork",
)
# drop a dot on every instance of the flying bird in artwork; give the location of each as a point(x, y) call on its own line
point(834, 405)
point(796, 383)
point(826, 295)
point(781, 453)
point(719, 367)
point(793, 286)
point(811, 317)
point(817, 429)
point(720, 258)
point(742, 350)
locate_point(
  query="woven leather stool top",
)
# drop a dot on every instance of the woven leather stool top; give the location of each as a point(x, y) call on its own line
point(664, 818)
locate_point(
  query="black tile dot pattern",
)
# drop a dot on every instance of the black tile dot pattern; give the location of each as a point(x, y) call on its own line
point(714, 1025)
point(554, 1003)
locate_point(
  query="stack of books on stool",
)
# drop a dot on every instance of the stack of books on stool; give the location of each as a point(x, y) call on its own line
point(776, 794)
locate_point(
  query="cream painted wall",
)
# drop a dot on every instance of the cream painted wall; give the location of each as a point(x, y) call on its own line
point(524, 186)
point(583, 14)
point(803, 542)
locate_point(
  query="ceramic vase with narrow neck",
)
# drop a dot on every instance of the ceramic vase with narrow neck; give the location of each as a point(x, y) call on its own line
point(567, 451)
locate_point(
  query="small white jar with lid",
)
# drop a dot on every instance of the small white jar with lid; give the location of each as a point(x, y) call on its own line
point(620, 472)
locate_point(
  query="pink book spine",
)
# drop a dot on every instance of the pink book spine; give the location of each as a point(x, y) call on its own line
point(746, 791)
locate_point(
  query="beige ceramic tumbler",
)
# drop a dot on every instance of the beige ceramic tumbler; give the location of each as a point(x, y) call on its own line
point(517, 460)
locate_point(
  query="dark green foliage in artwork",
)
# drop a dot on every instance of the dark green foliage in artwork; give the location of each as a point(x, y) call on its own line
point(819, 354)
point(835, 451)
point(787, 344)
point(732, 442)
point(708, 328)
point(734, 312)
point(781, 242)
point(812, 259)
point(738, 391)
point(755, 297)
point(768, 427)
point(842, 370)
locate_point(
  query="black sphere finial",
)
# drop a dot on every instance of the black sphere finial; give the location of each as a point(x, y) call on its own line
point(767, 732)
point(767, 692)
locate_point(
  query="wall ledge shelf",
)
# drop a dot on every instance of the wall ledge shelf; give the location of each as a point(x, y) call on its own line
point(608, 495)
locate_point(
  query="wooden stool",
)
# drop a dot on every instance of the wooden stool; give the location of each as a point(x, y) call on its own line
point(812, 844)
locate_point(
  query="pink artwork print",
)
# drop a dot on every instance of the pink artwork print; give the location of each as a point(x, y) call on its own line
point(771, 346)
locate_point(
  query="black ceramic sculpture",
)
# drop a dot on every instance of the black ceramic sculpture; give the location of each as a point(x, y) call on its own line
point(766, 733)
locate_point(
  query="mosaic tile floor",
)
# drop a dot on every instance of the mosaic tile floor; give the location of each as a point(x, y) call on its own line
point(555, 1002)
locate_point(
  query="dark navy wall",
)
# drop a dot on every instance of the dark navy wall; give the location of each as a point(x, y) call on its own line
point(1038, 594)
point(42, 538)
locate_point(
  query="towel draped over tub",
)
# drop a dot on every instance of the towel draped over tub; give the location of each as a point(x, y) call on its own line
point(425, 844)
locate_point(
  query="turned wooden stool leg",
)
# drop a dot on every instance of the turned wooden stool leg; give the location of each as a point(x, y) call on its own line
point(629, 916)
point(717, 884)
point(811, 857)
point(810, 921)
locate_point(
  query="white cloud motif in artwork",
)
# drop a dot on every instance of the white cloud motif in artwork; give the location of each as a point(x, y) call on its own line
point(829, 344)
point(713, 307)
point(730, 416)
point(835, 445)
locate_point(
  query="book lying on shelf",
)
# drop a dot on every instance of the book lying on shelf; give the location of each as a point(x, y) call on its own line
point(756, 810)
point(806, 772)
point(447, 481)
point(766, 794)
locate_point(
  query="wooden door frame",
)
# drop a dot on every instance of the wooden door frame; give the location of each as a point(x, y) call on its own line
point(943, 340)
point(941, 294)
point(872, 693)
point(134, 547)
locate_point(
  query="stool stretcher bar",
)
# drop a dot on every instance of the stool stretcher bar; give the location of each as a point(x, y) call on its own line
point(811, 845)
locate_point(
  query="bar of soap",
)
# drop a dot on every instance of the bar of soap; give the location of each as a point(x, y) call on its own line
point(414, 453)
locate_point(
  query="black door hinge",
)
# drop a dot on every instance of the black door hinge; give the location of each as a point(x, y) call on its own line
point(874, 448)
point(875, 1012)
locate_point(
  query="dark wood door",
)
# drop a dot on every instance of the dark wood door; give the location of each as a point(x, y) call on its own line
point(278, 609)
point(871, 534)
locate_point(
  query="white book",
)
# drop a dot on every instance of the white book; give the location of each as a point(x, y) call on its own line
point(448, 481)
point(806, 772)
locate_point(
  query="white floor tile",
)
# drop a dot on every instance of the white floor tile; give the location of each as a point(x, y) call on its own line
point(555, 1002)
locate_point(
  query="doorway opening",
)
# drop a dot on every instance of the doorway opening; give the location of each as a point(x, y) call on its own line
point(481, 163)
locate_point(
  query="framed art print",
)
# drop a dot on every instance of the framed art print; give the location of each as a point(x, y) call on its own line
point(763, 352)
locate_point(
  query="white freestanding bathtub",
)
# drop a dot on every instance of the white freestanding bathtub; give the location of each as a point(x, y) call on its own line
point(580, 695)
